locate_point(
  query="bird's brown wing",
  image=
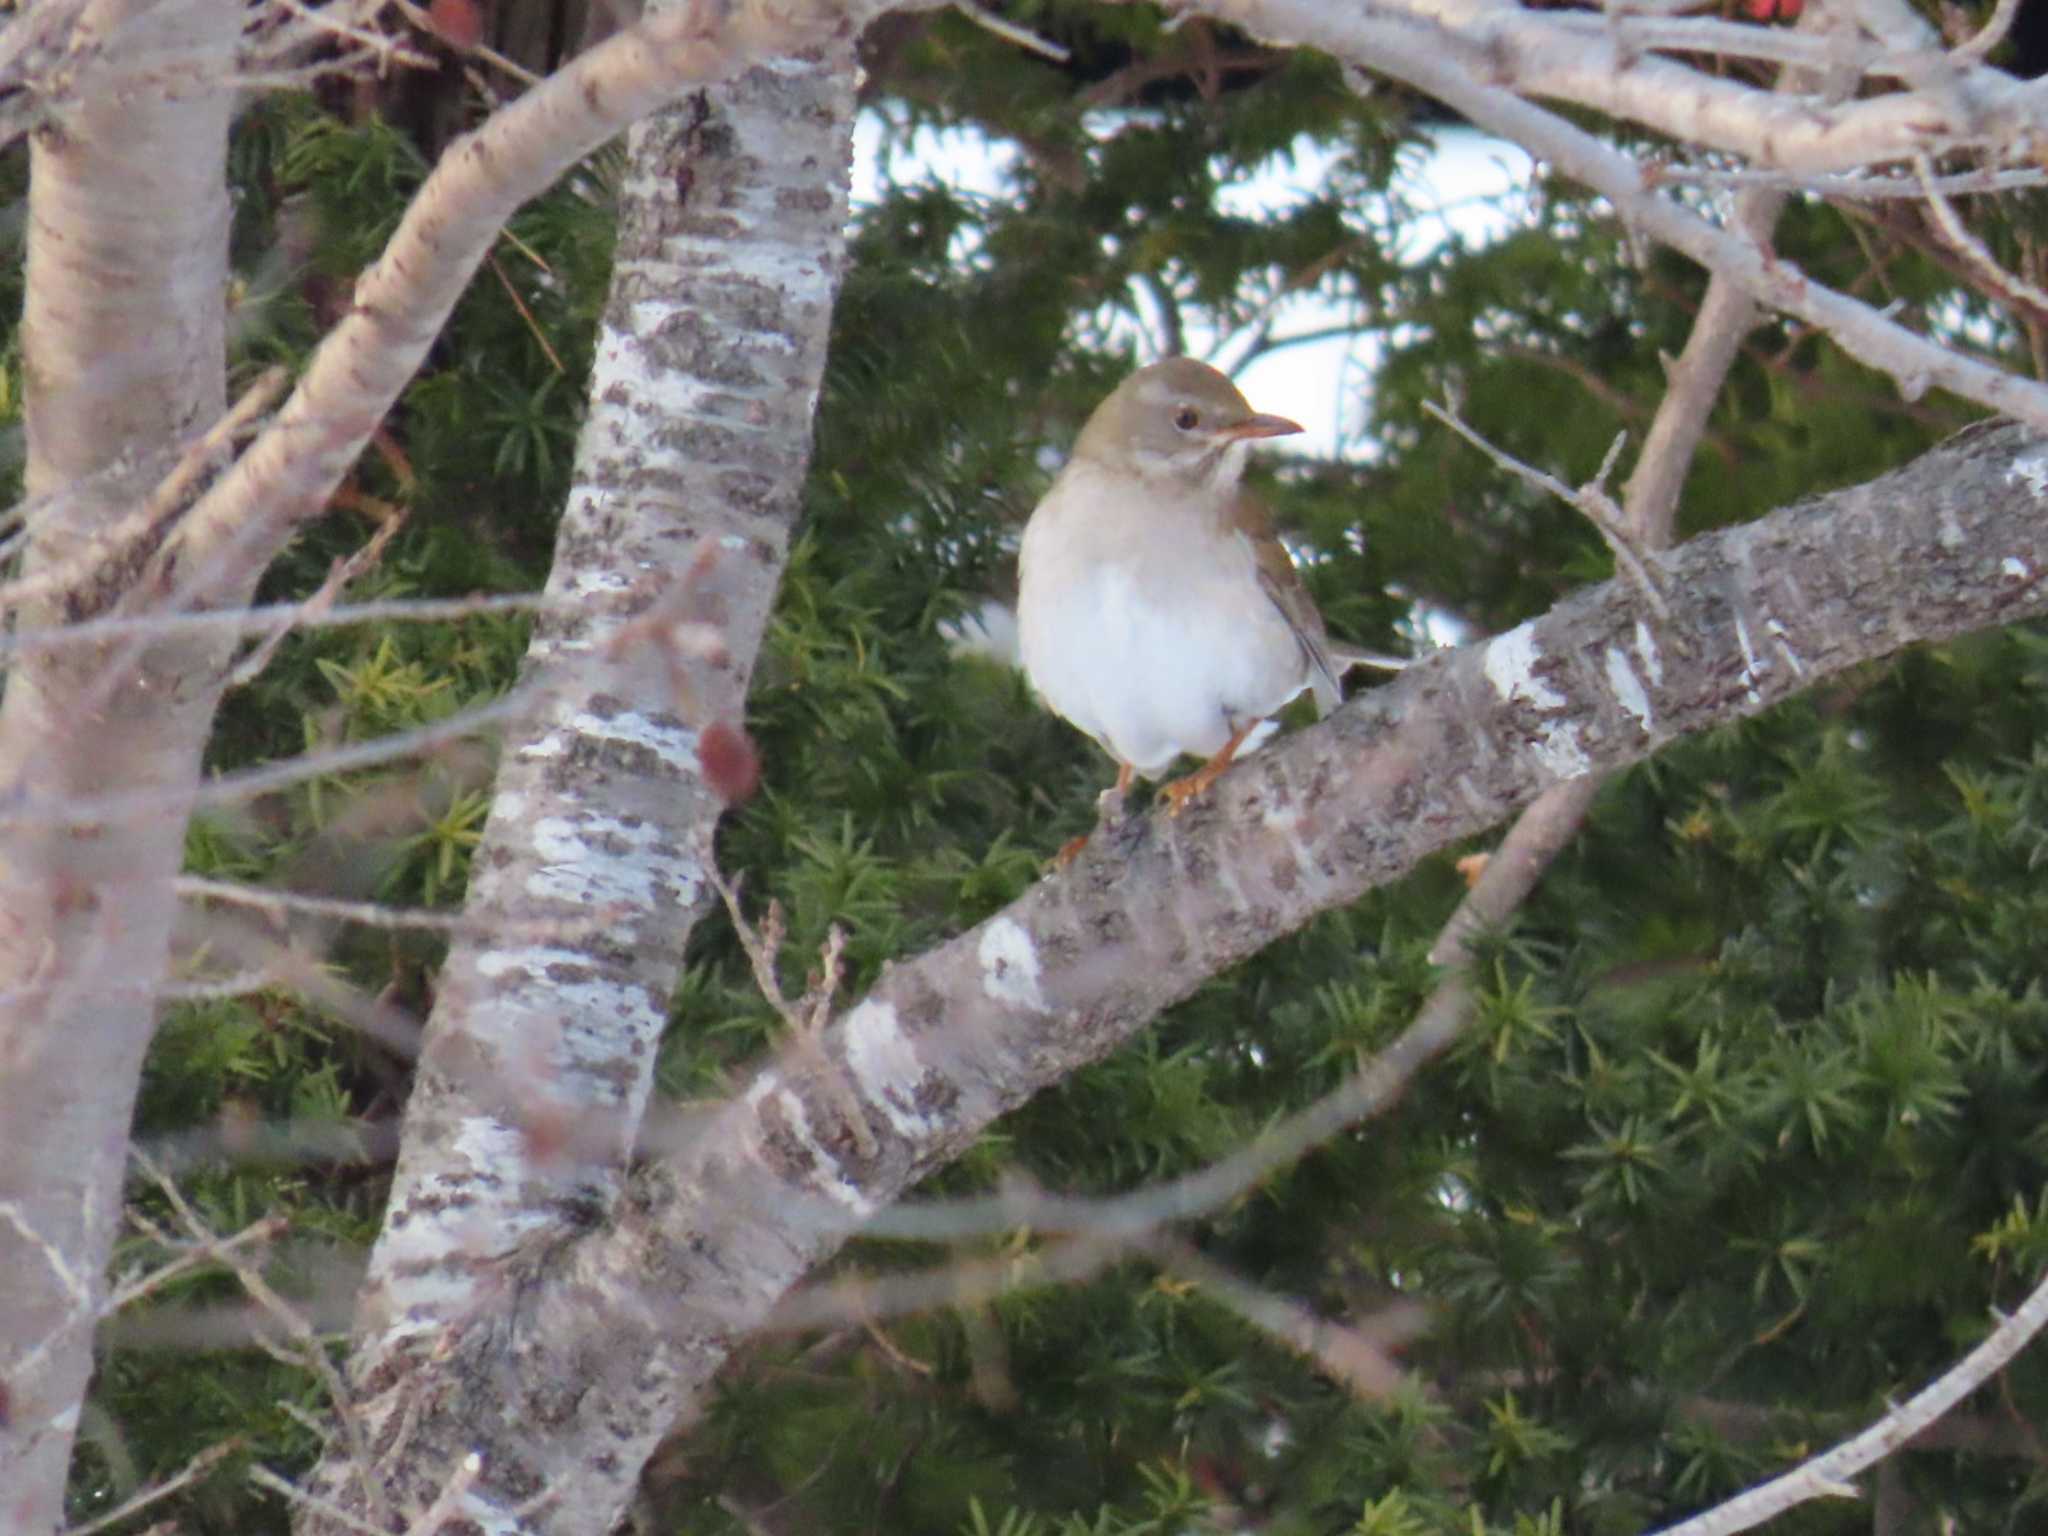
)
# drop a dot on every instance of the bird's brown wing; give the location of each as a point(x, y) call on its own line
point(1282, 583)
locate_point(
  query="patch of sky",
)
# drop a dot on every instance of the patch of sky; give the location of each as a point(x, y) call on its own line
point(1309, 352)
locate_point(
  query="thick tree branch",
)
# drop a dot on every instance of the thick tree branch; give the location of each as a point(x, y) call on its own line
point(1431, 60)
point(539, 1057)
point(774, 1182)
point(1604, 64)
point(402, 301)
point(122, 362)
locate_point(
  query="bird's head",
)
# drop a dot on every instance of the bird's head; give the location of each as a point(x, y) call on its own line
point(1177, 420)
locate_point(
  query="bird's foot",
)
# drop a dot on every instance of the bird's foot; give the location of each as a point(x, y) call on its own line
point(1070, 850)
point(1179, 793)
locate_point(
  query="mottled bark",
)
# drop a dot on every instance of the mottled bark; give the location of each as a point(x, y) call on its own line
point(123, 352)
point(620, 1331)
point(951, 1040)
point(401, 302)
point(540, 1053)
point(123, 357)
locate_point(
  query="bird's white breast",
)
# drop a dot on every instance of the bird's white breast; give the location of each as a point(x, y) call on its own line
point(1155, 637)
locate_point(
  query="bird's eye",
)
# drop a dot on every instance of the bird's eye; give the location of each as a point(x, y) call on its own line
point(1187, 418)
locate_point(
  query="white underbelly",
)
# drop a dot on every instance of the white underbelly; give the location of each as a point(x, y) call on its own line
point(1127, 655)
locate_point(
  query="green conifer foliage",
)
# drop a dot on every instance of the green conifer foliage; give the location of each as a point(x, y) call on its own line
point(1745, 1135)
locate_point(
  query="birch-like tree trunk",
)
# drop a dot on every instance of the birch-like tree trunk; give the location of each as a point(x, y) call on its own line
point(100, 746)
point(527, 1302)
point(539, 1056)
point(124, 361)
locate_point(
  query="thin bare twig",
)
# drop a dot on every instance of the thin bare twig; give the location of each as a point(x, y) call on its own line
point(1010, 32)
point(258, 1233)
point(308, 1351)
point(1590, 499)
point(192, 1471)
point(326, 1509)
point(526, 314)
point(2008, 285)
point(866, 1298)
point(322, 21)
point(272, 617)
point(1827, 1475)
point(420, 18)
point(1989, 36)
point(339, 575)
point(372, 914)
point(250, 783)
point(76, 1287)
point(1355, 1357)
point(807, 1016)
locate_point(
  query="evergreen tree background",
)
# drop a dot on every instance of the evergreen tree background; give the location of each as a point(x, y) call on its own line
point(1746, 1135)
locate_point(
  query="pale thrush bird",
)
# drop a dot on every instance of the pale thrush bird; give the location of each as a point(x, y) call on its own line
point(1157, 610)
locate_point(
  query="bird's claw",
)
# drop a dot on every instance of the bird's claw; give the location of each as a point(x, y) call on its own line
point(1180, 792)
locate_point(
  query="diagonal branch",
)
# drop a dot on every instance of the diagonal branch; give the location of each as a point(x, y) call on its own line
point(1827, 1475)
point(401, 302)
point(1433, 61)
point(705, 1243)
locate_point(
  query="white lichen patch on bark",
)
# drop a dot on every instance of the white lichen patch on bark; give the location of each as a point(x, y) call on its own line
point(2030, 470)
point(771, 1095)
point(1511, 667)
point(596, 1017)
point(590, 581)
point(1752, 669)
point(1009, 966)
point(1646, 649)
point(670, 739)
point(1281, 818)
point(885, 1067)
point(489, 1517)
point(641, 371)
point(637, 866)
point(1627, 687)
point(459, 1214)
point(2016, 568)
point(1783, 641)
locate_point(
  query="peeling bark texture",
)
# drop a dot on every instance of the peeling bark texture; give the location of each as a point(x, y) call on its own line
point(621, 1329)
point(539, 1057)
point(123, 353)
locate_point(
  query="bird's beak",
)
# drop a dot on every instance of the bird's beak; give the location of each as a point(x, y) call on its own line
point(1261, 426)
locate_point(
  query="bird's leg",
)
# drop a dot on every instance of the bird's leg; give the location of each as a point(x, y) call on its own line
point(1109, 811)
point(1109, 805)
point(1181, 791)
